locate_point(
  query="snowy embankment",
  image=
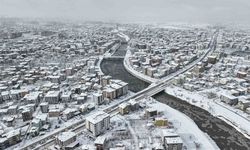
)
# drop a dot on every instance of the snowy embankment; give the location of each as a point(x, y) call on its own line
point(100, 59)
point(217, 109)
point(185, 127)
point(126, 37)
point(99, 63)
point(128, 66)
point(137, 74)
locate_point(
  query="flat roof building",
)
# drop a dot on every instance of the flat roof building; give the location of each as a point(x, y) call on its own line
point(98, 123)
point(65, 138)
point(52, 97)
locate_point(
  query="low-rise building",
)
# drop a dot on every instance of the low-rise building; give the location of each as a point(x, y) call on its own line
point(54, 112)
point(124, 87)
point(228, 98)
point(27, 114)
point(98, 98)
point(124, 108)
point(241, 74)
point(43, 118)
point(69, 113)
point(134, 105)
point(100, 143)
point(32, 98)
point(118, 89)
point(44, 106)
point(3, 142)
point(82, 98)
point(65, 138)
point(171, 140)
point(14, 136)
point(109, 93)
point(173, 143)
point(5, 95)
point(10, 121)
point(243, 103)
point(12, 109)
point(212, 59)
point(151, 112)
point(159, 121)
point(105, 80)
point(52, 97)
point(66, 97)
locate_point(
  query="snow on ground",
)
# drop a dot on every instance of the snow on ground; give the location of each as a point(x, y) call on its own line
point(124, 36)
point(218, 90)
point(69, 122)
point(84, 139)
point(141, 133)
point(228, 114)
point(185, 127)
point(130, 69)
point(180, 26)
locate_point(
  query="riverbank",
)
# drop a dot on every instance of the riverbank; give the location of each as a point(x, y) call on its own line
point(214, 108)
point(98, 65)
point(224, 135)
point(184, 126)
point(135, 73)
point(113, 51)
point(116, 69)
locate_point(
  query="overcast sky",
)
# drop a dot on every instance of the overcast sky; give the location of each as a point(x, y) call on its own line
point(197, 11)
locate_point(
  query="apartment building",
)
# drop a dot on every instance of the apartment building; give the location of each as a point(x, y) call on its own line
point(98, 123)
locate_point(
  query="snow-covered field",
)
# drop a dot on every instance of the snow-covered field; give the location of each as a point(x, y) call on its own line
point(185, 127)
point(141, 133)
point(218, 109)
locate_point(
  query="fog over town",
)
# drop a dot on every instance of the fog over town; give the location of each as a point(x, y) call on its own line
point(163, 11)
point(124, 75)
